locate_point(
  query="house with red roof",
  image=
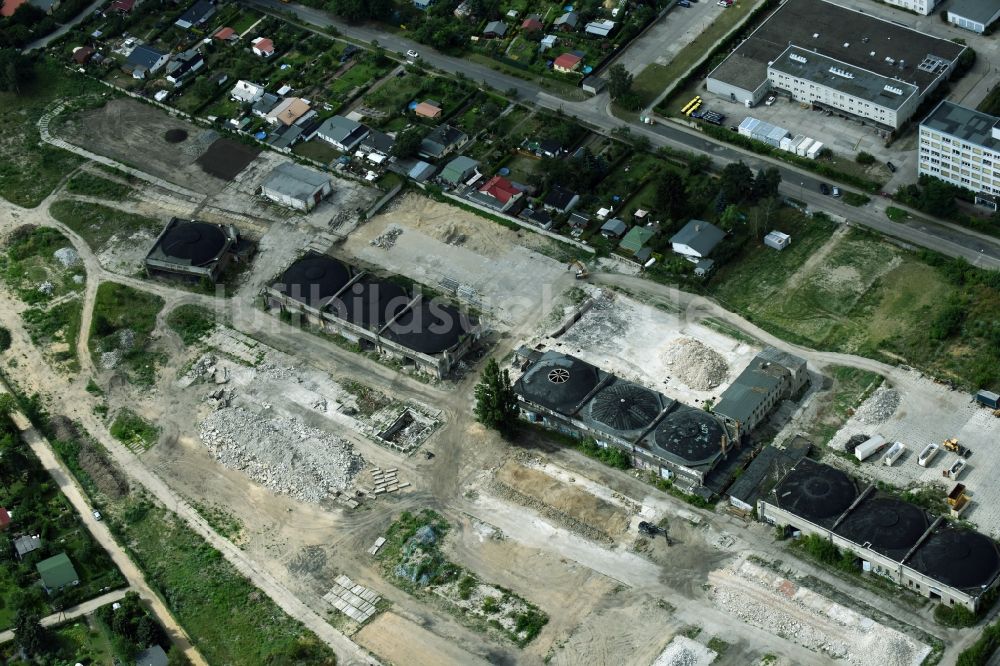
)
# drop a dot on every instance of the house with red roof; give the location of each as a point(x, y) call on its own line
point(122, 6)
point(500, 193)
point(263, 47)
point(567, 63)
point(4, 518)
point(532, 24)
point(8, 7)
point(226, 34)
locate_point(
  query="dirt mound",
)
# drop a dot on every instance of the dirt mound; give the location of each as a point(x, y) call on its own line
point(175, 135)
point(696, 365)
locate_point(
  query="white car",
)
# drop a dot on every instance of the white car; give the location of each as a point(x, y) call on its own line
point(769, 101)
point(412, 55)
point(97, 515)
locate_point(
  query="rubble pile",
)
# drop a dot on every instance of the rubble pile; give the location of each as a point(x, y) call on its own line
point(387, 238)
point(282, 454)
point(879, 407)
point(66, 256)
point(682, 651)
point(110, 359)
point(697, 366)
point(46, 288)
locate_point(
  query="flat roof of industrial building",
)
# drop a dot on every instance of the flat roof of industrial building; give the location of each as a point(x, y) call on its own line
point(295, 181)
point(191, 243)
point(963, 123)
point(840, 33)
point(854, 81)
point(980, 11)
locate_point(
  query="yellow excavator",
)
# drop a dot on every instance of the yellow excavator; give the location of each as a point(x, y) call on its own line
point(581, 269)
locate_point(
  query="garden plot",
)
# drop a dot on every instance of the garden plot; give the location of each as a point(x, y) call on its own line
point(686, 360)
point(925, 413)
point(765, 600)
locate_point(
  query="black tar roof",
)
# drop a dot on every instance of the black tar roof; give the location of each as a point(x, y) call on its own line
point(190, 243)
point(840, 33)
point(816, 492)
point(370, 303)
point(314, 279)
point(559, 382)
point(624, 406)
point(890, 526)
point(960, 558)
point(429, 328)
point(963, 123)
point(692, 435)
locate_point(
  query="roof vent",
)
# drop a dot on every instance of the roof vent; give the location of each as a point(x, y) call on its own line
point(893, 89)
point(559, 375)
point(841, 72)
point(872, 54)
point(797, 58)
point(847, 44)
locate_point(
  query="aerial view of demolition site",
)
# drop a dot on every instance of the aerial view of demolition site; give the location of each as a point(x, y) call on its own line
point(316, 420)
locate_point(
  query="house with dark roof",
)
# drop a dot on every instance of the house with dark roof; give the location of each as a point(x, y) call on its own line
point(82, 54)
point(579, 220)
point(342, 133)
point(459, 170)
point(183, 65)
point(696, 240)
point(502, 193)
point(495, 30)
point(152, 656)
point(377, 142)
point(57, 572)
point(27, 544)
point(442, 141)
point(566, 22)
point(560, 199)
point(613, 228)
point(421, 171)
point(145, 60)
point(196, 15)
point(539, 217)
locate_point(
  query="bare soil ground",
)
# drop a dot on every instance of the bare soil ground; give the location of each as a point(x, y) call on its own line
point(134, 133)
point(401, 641)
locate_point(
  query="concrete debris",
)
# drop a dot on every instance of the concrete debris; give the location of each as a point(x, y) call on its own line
point(387, 238)
point(699, 367)
point(355, 601)
point(220, 398)
point(110, 359)
point(126, 339)
point(280, 453)
point(78, 279)
point(879, 407)
point(682, 651)
point(46, 288)
point(66, 256)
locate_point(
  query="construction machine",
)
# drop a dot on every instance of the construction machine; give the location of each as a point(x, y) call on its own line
point(581, 269)
point(951, 444)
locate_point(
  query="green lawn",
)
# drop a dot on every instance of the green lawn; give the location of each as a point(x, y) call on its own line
point(89, 184)
point(133, 431)
point(318, 150)
point(77, 641)
point(31, 169)
point(96, 224)
point(191, 322)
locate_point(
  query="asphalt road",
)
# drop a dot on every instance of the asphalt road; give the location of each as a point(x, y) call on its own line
point(951, 240)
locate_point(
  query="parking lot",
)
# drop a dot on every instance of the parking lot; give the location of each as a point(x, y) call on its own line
point(930, 412)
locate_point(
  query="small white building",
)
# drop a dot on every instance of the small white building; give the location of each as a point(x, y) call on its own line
point(296, 186)
point(246, 92)
point(777, 240)
point(974, 15)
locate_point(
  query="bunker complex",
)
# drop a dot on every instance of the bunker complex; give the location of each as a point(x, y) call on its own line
point(892, 538)
point(193, 249)
point(837, 59)
point(375, 313)
point(572, 396)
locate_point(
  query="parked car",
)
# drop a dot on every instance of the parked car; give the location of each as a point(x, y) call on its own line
point(770, 100)
point(892, 167)
point(836, 191)
point(824, 188)
point(412, 55)
point(97, 515)
point(683, 3)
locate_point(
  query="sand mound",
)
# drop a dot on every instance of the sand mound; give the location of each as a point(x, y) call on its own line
point(697, 366)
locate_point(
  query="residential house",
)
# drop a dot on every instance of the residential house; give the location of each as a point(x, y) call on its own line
point(378, 142)
point(196, 15)
point(974, 15)
point(152, 656)
point(263, 47)
point(579, 220)
point(285, 136)
point(459, 170)
point(226, 34)
point(442, 141)
point(566, 22)
point(421, 171)
point(246, 92)
point(183, 65)
point(539, 217)
point(532, 24)
point(547, 42)
point(342, 133)
point(635, 241)
point(57, 572)
point(428, 109)
point(567, 63)
point(695, 242)
point(144, 60)
point(27, 544)
point(499, 193)
point(122, 6)
point(601, 28)
point(82, 54)
point(296, 186)
point(289, 111)
point(560, 200)
point(613, 228)
point(265, 104)
point(8, 7)
point(495, 30)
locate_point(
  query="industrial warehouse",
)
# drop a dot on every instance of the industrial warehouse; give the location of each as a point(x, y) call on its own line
point(193, 249)
point(893, 538)
point(376, 313)
point(570, 395)
point(837, 59)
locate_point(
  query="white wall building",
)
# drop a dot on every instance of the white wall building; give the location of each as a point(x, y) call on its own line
point(974, 15)
point(961, 146)
point(924, 7)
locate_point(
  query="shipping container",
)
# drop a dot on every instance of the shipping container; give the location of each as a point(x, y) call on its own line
point(869, 447)
point(893, 454)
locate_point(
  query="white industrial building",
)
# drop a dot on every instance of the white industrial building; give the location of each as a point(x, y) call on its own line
point(296, 186)
point(961, 146)
point(837, 59)
point(924, 7)
point(974, 15)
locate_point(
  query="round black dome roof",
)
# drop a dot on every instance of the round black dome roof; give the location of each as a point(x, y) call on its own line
point(691, 434)
point(314, 278)
point(370, 303)
point(625, 406)
point(429, 329)
point(559, 382)
point(197, 242)
point(960, 558)
point(816, 491)
point(886, 523)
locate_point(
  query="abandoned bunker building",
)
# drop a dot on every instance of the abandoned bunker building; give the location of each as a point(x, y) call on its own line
point(193, 249)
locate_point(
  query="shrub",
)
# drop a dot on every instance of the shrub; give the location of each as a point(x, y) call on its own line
point(865, 158)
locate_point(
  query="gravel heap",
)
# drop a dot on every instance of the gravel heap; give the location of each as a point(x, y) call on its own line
point(110, 359)
point(682, 651)
point(46, 288)
point(66, 256)
point(280, 453)
point(126, 339)
point(697, 366)
point(387, 238)
point(879, 406)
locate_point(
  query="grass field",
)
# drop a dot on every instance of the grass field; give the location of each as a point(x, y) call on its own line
point(96, 224)
point(31, 169)
point(123, 320)
point(191, 322)
point(851, 387)
point(134, 431)
point(90, 184)
point(318, 150)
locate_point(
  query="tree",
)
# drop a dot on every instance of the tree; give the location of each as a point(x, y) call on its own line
point(864, 158)
point(671, 197)
point(16, 70)
point(619, 81)
point(937, 197)
point(496, 404)
point(766, 183)
point(730, 218)
point(408, 142)
point(177, 658)
point(29, 633)
point(736, 181)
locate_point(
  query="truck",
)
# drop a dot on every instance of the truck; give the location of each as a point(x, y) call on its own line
point(869, 447)
point(927, 455)
point(893, 454)
point(957, 500)
point(988, 399)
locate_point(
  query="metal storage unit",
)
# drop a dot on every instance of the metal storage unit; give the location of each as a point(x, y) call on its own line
point(869, 447)
point(801, 149)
